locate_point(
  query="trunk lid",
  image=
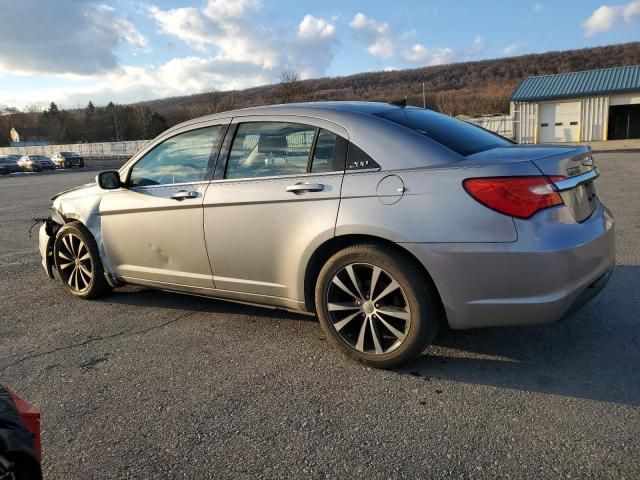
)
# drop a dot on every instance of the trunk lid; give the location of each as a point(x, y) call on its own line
point(577, 188)
point(571, 168)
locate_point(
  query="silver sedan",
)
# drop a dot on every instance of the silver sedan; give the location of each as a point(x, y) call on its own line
point(387, 222)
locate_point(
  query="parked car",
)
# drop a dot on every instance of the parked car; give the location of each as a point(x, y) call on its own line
point(9, 164)
point(67, 160)
point(385, 221)
point(36, 163)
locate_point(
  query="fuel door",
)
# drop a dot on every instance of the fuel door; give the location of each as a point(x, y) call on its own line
point(390, 189)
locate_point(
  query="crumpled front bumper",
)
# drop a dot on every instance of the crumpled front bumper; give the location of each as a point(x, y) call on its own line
point(46, 237)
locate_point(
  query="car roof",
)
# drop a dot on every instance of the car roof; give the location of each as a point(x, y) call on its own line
point(371, 133)
point(324, 110)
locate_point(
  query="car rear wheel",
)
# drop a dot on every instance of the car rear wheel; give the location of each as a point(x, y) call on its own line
point(78, 262)
point(376, 306)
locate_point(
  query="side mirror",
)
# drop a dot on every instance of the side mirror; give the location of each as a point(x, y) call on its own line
point(109, 180)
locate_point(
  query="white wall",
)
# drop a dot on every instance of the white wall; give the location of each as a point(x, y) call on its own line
point(594, 118)
point(631, 99)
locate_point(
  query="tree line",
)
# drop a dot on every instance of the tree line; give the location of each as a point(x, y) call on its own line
point(90, 124)
point(468, 88)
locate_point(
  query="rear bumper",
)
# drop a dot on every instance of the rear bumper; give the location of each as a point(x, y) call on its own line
point(553, 269)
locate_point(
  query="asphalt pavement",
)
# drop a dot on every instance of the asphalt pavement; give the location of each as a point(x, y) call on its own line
point(147, 384)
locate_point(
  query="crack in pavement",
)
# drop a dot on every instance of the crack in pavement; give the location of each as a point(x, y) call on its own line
point(99, 339)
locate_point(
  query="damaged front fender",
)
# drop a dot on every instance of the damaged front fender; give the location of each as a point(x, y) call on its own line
point(46, 238)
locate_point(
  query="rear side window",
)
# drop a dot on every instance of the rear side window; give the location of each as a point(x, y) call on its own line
point(329, 152)
point(461, 137)
point(266, 149)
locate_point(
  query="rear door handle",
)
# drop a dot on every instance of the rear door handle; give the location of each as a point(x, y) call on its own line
point(305, 187)
point(182, 194)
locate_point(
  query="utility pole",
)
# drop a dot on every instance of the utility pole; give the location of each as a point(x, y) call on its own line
point(424, 99)
point(115, 119)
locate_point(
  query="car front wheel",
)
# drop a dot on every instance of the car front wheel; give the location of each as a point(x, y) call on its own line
point(376, 306)
point(78, 262)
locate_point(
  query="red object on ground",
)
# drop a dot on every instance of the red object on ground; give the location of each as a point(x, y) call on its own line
point(31, 418)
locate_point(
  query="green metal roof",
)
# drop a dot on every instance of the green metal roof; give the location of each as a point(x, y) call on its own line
point(578, 84)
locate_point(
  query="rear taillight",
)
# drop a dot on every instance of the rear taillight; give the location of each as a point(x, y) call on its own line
point(519, 197)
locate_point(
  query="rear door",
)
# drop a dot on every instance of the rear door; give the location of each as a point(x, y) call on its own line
point(274, 198)
point(152, 228)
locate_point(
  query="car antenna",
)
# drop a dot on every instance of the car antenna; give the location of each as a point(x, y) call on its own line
point(403, 103)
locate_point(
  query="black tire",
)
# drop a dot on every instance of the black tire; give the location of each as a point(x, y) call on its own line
point(422, 305)
point(75, 249)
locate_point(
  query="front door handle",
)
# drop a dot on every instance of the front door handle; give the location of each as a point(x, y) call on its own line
point(305, 187)
point(182, 194)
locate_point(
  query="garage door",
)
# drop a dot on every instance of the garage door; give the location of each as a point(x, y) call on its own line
point(558, 122)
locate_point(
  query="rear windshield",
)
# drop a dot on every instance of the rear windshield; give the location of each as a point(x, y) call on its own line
point(461, 137)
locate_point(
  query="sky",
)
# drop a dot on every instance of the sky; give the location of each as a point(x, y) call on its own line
point(73, 51)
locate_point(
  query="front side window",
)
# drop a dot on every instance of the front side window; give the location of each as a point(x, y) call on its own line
point(265, 149)
point(183, 158)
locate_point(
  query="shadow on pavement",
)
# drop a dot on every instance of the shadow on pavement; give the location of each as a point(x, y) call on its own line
point(147, 297)
point(594, 354)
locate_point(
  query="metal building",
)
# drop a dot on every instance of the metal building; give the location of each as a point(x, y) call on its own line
point(578, 106)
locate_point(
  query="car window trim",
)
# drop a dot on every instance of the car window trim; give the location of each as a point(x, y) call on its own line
point(212, 158)
point(225, 150)
point(312, 150)
point(277, 177)
point(227, 153)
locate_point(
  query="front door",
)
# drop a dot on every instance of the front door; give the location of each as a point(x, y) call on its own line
point(153, 227)
point(277, 199)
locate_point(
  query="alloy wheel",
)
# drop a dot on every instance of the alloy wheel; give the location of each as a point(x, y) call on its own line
point(75, 266)
point(368, 309)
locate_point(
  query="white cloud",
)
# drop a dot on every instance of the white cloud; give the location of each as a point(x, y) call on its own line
point(106, 15)
point(442, 56)
point(363, 23)
point(512, 48)
point(606, 16)
point(62, 37)
point(231, 51)
point(537, 7)
point(185, 23)
point(631, 11)
point(478, 47)
point(601, 20)
point(178, 76)
point(383, 47)
point(220, 10)
point(377, 35)
point(383, 43)
point(312, 28)
point(223, 29)
point(419, 53)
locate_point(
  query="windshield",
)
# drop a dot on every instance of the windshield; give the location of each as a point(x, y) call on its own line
point(461, 137)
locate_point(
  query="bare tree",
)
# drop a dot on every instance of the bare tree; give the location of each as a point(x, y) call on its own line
point(290, 88)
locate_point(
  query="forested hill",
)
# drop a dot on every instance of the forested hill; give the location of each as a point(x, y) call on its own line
point(469, 88)
point(481, 87)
